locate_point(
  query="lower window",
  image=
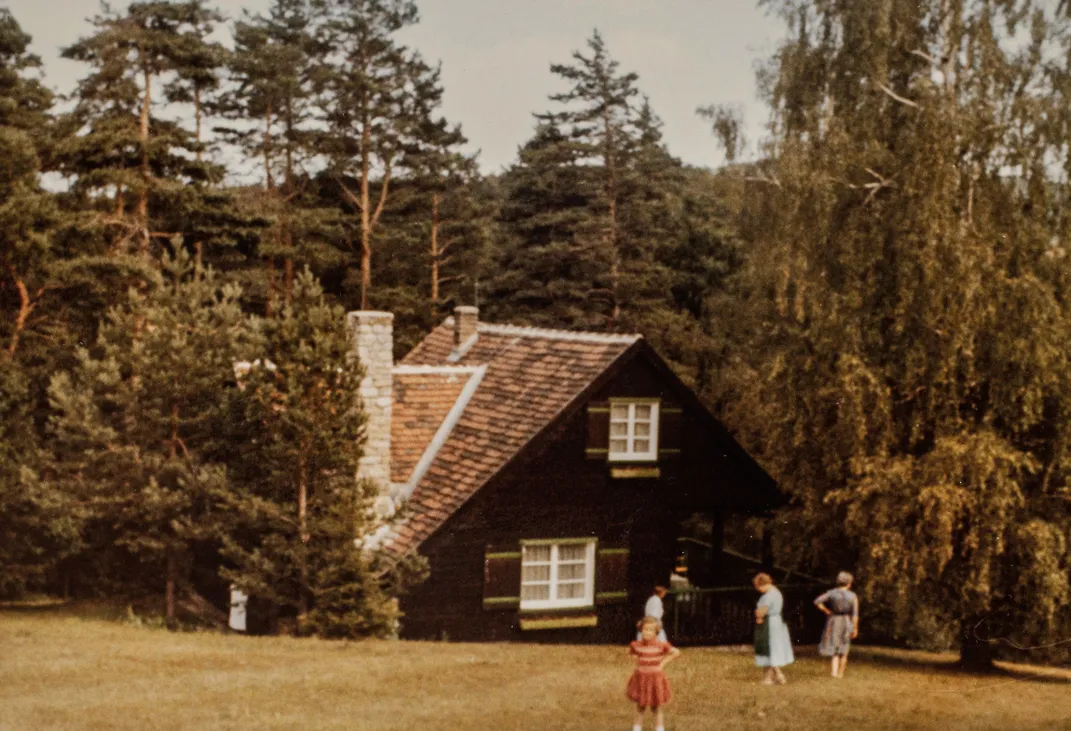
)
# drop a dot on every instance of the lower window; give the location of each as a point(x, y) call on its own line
point(557, 573)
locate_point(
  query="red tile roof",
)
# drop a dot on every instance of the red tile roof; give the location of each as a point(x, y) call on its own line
point(422, 398)
point(531, 375)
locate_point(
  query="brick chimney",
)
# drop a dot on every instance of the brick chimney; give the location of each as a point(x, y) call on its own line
point(373, 341)
point(465, 319)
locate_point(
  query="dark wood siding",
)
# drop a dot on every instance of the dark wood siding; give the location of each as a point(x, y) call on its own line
point(555, 490)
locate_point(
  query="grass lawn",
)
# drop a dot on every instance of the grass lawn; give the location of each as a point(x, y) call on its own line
point(59, 671)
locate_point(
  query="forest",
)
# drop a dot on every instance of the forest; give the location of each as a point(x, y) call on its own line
point(877, 305)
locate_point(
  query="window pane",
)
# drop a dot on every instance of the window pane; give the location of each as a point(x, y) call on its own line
point(536, 553)
point(574, 571)
point(643, 429)
point(571, 590)
point(535, 573)
point(619, 411)
point(573, 552)
point(641, 445)
point(535, 592)
point(618, 445)
point(643, 412)
point(619, 429)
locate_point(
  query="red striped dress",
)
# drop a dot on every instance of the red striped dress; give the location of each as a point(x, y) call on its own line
point(648, 685)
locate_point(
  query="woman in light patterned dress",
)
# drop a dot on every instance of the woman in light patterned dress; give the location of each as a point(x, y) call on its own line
point(841, 606)
point(768, 611)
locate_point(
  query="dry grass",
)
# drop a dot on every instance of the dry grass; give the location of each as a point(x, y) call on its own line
point(67, 672)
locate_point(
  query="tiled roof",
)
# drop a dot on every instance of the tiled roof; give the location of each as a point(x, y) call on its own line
point(422, 398)
point(531, 375)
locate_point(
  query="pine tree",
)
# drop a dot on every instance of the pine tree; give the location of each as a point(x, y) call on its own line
point(38, 526)
point(117, 148)
point(547, 269)
point(598, 116)
point(378, 98)
point(909, 371)
point(276, 68)
point(27, 213)
point(295, 439)
point(133, 421)
point(615, 196)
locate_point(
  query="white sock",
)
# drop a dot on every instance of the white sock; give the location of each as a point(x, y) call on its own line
point(637, 728)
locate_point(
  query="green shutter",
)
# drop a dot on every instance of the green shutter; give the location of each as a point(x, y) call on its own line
point(611, 574)
point(502, 576)
point(598, 445)
point(669, 430)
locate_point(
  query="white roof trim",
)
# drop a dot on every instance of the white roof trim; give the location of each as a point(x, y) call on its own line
point(416, 370)
point(540, 332)
point(404, 490)
point(458, 353)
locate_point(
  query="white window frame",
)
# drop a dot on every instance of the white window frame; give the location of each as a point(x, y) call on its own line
point(630, 454)
point(587, 600)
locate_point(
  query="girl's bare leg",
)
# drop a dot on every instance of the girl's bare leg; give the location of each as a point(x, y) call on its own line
point(637, 720)
point(843, 664)
point(660, 721)
point(779, 676)
point(836, 665)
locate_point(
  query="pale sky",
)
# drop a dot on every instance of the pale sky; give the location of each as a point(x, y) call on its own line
point(496, 57)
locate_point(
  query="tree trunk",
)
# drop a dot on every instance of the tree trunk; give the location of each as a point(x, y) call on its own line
point(435, 248)
point(303, 499)
point(197, 113)
point(269, 183)
point(976, 653)
point(288, 191)
point(366, 221)
point(172, 570)
point(143, 197)
point(611, 194)
point(25, 308)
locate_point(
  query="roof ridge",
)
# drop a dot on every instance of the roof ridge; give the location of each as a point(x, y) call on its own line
point(404, 369)
point(554, 334)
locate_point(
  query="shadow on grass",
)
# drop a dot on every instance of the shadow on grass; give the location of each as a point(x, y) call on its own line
point(950, 665)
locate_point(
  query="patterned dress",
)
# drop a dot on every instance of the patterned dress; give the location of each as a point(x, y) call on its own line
point(648, 685)
point(780, 643)
point(837, 636)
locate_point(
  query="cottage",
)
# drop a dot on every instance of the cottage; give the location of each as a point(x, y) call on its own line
point(544, 475)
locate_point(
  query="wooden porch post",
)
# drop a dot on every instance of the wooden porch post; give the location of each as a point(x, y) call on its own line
point(717, 544)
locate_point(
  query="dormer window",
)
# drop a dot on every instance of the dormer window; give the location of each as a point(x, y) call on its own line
point(633, 430)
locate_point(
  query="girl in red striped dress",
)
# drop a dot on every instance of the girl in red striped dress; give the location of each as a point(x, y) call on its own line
point(648, 686)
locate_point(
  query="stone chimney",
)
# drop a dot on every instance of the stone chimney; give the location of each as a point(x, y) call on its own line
point(373, 341)
point(465, 319)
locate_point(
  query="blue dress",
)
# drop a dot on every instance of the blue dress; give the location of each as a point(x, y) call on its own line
point(780, 643)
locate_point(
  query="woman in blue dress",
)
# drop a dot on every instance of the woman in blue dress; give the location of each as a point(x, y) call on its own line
point(768, 612)
point(841, 605)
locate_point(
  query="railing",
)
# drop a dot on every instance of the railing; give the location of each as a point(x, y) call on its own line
point(726, 615)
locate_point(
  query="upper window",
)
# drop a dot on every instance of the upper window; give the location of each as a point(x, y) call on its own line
point(633, 430)
point(557, 574)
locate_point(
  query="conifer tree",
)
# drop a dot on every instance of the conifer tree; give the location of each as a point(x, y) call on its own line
point(133, 421)
point(276, 68)
point(38, 526)
point(295, 436)
point(597, 113)
point(27, 213)
point(614, 195)
point(378, 98)
point(546, 270)
point(118, 150)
